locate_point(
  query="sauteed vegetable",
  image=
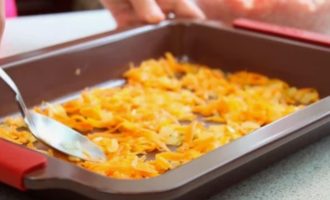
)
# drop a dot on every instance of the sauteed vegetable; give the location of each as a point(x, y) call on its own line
point(167, 114)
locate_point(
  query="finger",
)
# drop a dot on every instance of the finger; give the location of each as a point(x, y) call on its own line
point(148, 11)
point(182, 8)
point(300, 7)
point(213, 9)
point(309, 5)
point(186, 8)
point(251, 6)
point(122, 11)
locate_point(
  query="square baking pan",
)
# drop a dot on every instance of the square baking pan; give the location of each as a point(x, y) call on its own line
point(60, 72)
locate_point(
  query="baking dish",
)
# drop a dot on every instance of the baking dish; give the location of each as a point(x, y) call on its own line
point(52, 74)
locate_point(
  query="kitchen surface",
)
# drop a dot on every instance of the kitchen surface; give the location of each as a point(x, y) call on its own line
point(303, 175)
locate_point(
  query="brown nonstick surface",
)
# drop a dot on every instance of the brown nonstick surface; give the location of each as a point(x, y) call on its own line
point(51, 73)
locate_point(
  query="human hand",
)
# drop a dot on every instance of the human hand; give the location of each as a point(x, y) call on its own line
point(307, 14)
point(128, 12)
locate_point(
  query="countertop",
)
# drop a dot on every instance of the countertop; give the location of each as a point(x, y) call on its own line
point(303, 175)
point(25, 34)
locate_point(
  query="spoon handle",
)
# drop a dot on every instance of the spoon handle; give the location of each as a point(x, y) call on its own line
point(9, 81)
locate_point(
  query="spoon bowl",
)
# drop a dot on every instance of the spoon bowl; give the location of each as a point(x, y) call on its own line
point(54, 133)
point(63, 138)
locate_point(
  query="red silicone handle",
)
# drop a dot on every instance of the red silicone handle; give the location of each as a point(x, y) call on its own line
point(16, 162)
point(282, 31)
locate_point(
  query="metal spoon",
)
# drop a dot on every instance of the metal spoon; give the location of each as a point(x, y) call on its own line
point(54, 133)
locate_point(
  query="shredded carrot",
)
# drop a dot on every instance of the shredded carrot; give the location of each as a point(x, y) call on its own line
point(167, 114)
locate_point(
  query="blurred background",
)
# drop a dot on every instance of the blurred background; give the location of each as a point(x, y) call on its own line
point(33, 7)
point(43, 23)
